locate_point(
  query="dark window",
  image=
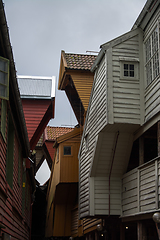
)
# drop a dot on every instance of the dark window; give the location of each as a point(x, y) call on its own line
point(67, 150)
point(129, 70)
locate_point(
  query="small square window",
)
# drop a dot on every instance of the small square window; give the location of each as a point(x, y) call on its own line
point(67, 150)
point(129, 70)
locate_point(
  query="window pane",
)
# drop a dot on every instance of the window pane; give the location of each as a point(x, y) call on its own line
point(67, 150)
point(3, 78)
point(3, 91)
point(126, 73)
point(131, 73)
point(3, 65)
point(131, 67)
point(148, 49)
point(149, 72)
point(126, 66)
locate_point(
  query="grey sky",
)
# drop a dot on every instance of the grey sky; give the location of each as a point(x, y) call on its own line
point(40, 29)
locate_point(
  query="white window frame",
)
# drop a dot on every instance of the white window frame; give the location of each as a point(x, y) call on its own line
point(4, 78)
point(152, 62)
point(129, 61)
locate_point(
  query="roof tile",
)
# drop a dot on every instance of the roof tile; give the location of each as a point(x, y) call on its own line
point(79, 61)
point(54, 132)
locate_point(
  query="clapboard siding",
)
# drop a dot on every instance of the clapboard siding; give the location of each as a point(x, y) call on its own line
point(101, 190)
point(139, 189)
point(129, 193)
point(128, 90)
point(152, 99)
point(96, 122)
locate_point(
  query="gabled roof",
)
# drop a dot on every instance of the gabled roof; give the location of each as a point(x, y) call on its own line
point(78, 61)
point(51, 133)
point(36, 87)
point(104, 47)
point(72, 61)
point(77, 131)
point(147, 12)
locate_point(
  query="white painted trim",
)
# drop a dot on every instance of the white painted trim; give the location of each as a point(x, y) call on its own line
point(110, 87)
point(53, 92)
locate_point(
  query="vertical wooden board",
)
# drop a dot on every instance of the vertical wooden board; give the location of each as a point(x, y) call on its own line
point(34, 110)
point(62, 220)
point(83, 83)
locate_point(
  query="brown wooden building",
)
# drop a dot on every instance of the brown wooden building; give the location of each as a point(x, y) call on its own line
point(16, 181)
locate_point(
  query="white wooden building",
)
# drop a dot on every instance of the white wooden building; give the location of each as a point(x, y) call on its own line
point(124, 109)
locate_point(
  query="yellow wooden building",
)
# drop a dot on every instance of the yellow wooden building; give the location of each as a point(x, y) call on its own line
point(63, 185)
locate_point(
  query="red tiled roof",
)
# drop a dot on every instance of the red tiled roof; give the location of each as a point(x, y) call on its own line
point(53, 132)
point(79, 61)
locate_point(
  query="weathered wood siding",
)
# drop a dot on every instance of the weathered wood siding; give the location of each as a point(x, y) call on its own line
point(140, 189)
point(96, 121)
point(152, 96)
point(126, 92)
point(83, 83)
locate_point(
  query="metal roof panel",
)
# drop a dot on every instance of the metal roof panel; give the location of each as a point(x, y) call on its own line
point(36, 87)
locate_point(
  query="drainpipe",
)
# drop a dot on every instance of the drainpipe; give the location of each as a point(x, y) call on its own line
point(114, 151)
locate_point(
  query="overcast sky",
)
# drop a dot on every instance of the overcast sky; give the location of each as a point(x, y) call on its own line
point(40, 29)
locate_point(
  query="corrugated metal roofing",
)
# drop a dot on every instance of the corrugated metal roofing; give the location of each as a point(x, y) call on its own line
point(36, 87)
point(79, 61)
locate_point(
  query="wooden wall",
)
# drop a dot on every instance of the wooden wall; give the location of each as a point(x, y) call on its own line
point(34, 111)
point(63, 189)
point(126, 92)
point(83, 82)
point(17, 222)
point(96, 120)
point(140, 189)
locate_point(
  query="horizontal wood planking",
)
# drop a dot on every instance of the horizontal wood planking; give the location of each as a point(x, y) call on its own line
point(152, 99)
point(95, 123)
point(139, 197)
point(126, 92)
